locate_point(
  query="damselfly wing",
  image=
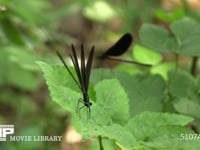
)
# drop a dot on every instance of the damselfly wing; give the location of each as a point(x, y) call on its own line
point(119, 48)
point(83, 74)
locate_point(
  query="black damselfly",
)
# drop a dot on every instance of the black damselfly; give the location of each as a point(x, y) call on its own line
point(83, 74)
point(120, 47)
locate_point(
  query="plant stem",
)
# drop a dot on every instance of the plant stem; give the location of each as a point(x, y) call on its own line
point(176, 59)
point(194, 65)
point(100, 143)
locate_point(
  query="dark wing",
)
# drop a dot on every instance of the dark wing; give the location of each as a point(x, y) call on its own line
point(89, 66)
point(76, 66)
point(120, 47)
point(68, 69)
point(83, 69)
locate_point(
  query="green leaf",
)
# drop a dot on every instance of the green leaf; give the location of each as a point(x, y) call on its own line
point(107, 144)
point(104, 113)
point(145, 92)
point(30, 131)
point(146, 56)
point(129, 69)
point(181, 84)
point(4, 63)
point(114, 101)
point(163, 69)
point(30, 80)
point(66, 93)
point(183, 38)
point(157, 38)
point(100, 11)
point(146, 124)
point(170, 15)
point(24, 57)
point(30, 13)
point(13, 72)
point(187, 33)
point(173, 138)
point(106, 108)
point(60, 86)
point(114, 132)
point(188, 107)
point(101, 74)
point(11, 32)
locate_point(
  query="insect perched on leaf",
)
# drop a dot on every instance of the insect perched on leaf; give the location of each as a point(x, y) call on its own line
point(120, 47)
point(83, 74)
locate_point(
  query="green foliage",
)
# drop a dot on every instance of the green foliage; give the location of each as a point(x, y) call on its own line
point(30, 131)
point(182, 38)
point(112, 106)
point(10, 30)
point(127, 107)
point(170, 138)
point(148, 123)
point(11, 63)
point(135, 12)
point(20, 21)
point(24, 26)
point(141, 89)
point(170, 15)
point(182, 84)
point(163, 69)
point(130, 103)
point(68, 98)
point(101, 9)
point(184, 90)
point(112, 103)
point(146, 56)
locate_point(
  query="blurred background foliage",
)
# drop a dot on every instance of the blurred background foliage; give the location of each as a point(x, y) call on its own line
point(31, 30)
